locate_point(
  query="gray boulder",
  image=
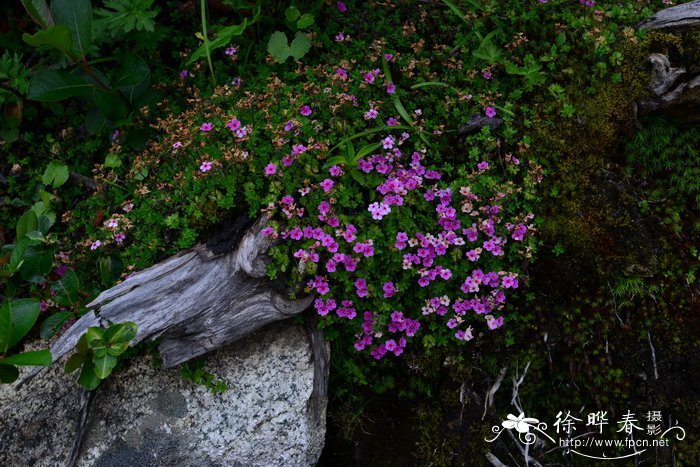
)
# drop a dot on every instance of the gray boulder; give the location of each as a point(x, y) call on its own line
point(272, 414)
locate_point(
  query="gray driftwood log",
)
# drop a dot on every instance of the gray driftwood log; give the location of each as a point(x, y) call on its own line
point(684, 16)
point(196, 301)
point(676, 89)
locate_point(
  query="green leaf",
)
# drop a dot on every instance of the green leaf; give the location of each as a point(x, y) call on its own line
point(88, 379)
point(36, 236)
point(111, 105)
point(95, 337)
point(53, 324)
point(305, 21)
point(33, 358)
point(74, 362)
point(56, 173)
point(45, 223)
point(27, 223)
point(122, 332)
point(133, 72)
point(49, 85)
point(57, 36)
point(77, 15)
point(95, 121)
point(104, 365)
point(358, 176)
point(82, 346)
point(66, 288)
point(300, 45)
point(367, 150)
point(8, 373)
point(39, 12)
point(335, 160)
point(292, 13)
point(5, 326)
point(111, 268)
point(223, 37)
point(24, 314)
point(112, 161)
point(278, 47)
point(18, 252)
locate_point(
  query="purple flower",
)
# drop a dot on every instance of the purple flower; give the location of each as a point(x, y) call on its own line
point(392, 122)
point(327, 185)
point(486, 74)
point(234, 124)
point(391, 88)
point(341, 7)
point(298, 149)
point(368, 77)
point(490, 112)
point(289, 125)
point(389, 289)
point(482, 165)
point(335, 171)
point(270, 169)
point(388, 57)
point(305, 110)
point(208, 126)
point(205, 167)
point(95, 245)
point(120, 237)
point(341, 73)
point(184, 73)
point(371, 114)
point(230, 51)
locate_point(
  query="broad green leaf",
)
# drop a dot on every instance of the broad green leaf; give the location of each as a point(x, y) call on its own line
point(95, 121)
point(82, 346)
point(49, 85)
point(66, 288)
point(39, 11)
point(18, 254)
point(56, 173)
point(358, 176)
point(36, 236)
point(223, 37)
point(305, 21)
point(112, 161)
point(27, 223)
point(45, 223)
point(292, 13)
point(8, 373)
point(117, 349)
point(33, 358)
point(111, 268)
point(278, 46)
point(104, 365)
point(88, 379)
point(53, 324)
point(5, 326)
point(24, 314)
point(74, 362)
point(133, 72)
point(335, 160)
point(370, 148)
point(31, 270)
point(95, 337)
point(77, 15)
point(57, 36)
point(122, 332)
point(300, 45)
point(111, 105)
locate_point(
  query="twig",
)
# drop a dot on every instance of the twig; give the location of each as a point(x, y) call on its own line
point(492, 392)
point(86, 402)
point(494, 460)
point(653, 356)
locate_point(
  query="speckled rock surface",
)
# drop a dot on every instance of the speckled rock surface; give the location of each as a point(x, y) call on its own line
point(152, 417)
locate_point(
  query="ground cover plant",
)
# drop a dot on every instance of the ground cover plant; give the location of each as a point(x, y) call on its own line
point(461, 185)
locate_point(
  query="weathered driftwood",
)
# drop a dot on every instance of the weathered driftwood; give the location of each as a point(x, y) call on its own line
point(194, 302)
point(684, 16)
point(677, 92)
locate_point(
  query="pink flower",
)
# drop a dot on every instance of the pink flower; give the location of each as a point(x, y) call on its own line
point(234, 124)
point(368, 77)
point(327, 185)
point(341, 7)
point(335, 171)
point(270, 169)
point(482, 165)
point(267, 231)
point(289, 125)
point(392, 122)
point(341, 73)
point(391, 88)
point(486, 74)
point(490, 112)
point(388, 142)
point(230, 51)
point(371, 114)
point(389, 289)
point(388, 57)
point(95, 245)
point(205, 167)
point(299, 149)
point(120, 237)
point(206, 126)
point(177, 144)
point(305, 110)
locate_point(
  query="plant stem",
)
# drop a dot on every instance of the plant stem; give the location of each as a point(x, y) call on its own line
point(203, 11)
